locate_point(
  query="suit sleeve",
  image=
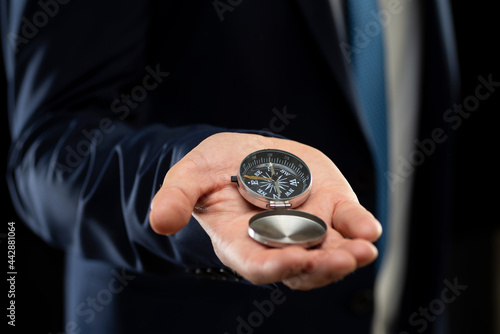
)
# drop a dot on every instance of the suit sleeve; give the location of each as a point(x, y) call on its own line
point(82, 168)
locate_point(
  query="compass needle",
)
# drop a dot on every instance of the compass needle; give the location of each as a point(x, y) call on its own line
point(276, 184)
point(257, 177)
point(272, 168)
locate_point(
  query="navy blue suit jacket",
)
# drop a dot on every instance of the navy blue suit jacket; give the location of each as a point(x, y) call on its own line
point(105, 96)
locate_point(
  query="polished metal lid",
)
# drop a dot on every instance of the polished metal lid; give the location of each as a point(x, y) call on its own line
point(285, 227)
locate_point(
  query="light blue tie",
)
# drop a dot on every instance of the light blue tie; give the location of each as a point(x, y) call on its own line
point(367, 61)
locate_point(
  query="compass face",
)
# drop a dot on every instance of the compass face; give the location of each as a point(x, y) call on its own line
point(274, 175)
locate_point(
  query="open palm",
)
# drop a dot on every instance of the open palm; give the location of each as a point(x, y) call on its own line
point(199, 185)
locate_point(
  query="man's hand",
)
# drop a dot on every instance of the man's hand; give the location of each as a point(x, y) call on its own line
point(200, 185)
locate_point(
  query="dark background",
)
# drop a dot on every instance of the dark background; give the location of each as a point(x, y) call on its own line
point(476, 257)
point(39, 281)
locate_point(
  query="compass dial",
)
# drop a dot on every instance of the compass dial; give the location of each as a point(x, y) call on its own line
point(275, 175)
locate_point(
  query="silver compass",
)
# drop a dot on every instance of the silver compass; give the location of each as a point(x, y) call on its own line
point(279, 181)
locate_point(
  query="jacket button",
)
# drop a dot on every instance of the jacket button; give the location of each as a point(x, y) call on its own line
point(214, 273)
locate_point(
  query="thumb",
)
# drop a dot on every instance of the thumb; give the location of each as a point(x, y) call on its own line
point(173, 204)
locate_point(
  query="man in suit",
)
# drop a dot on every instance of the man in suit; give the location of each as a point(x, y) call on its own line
point(106, 98)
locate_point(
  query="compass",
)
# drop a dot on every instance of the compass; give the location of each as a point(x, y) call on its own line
point(279, 181)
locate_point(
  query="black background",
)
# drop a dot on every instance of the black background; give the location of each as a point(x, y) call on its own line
point(39, 284)
point(475, 198)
